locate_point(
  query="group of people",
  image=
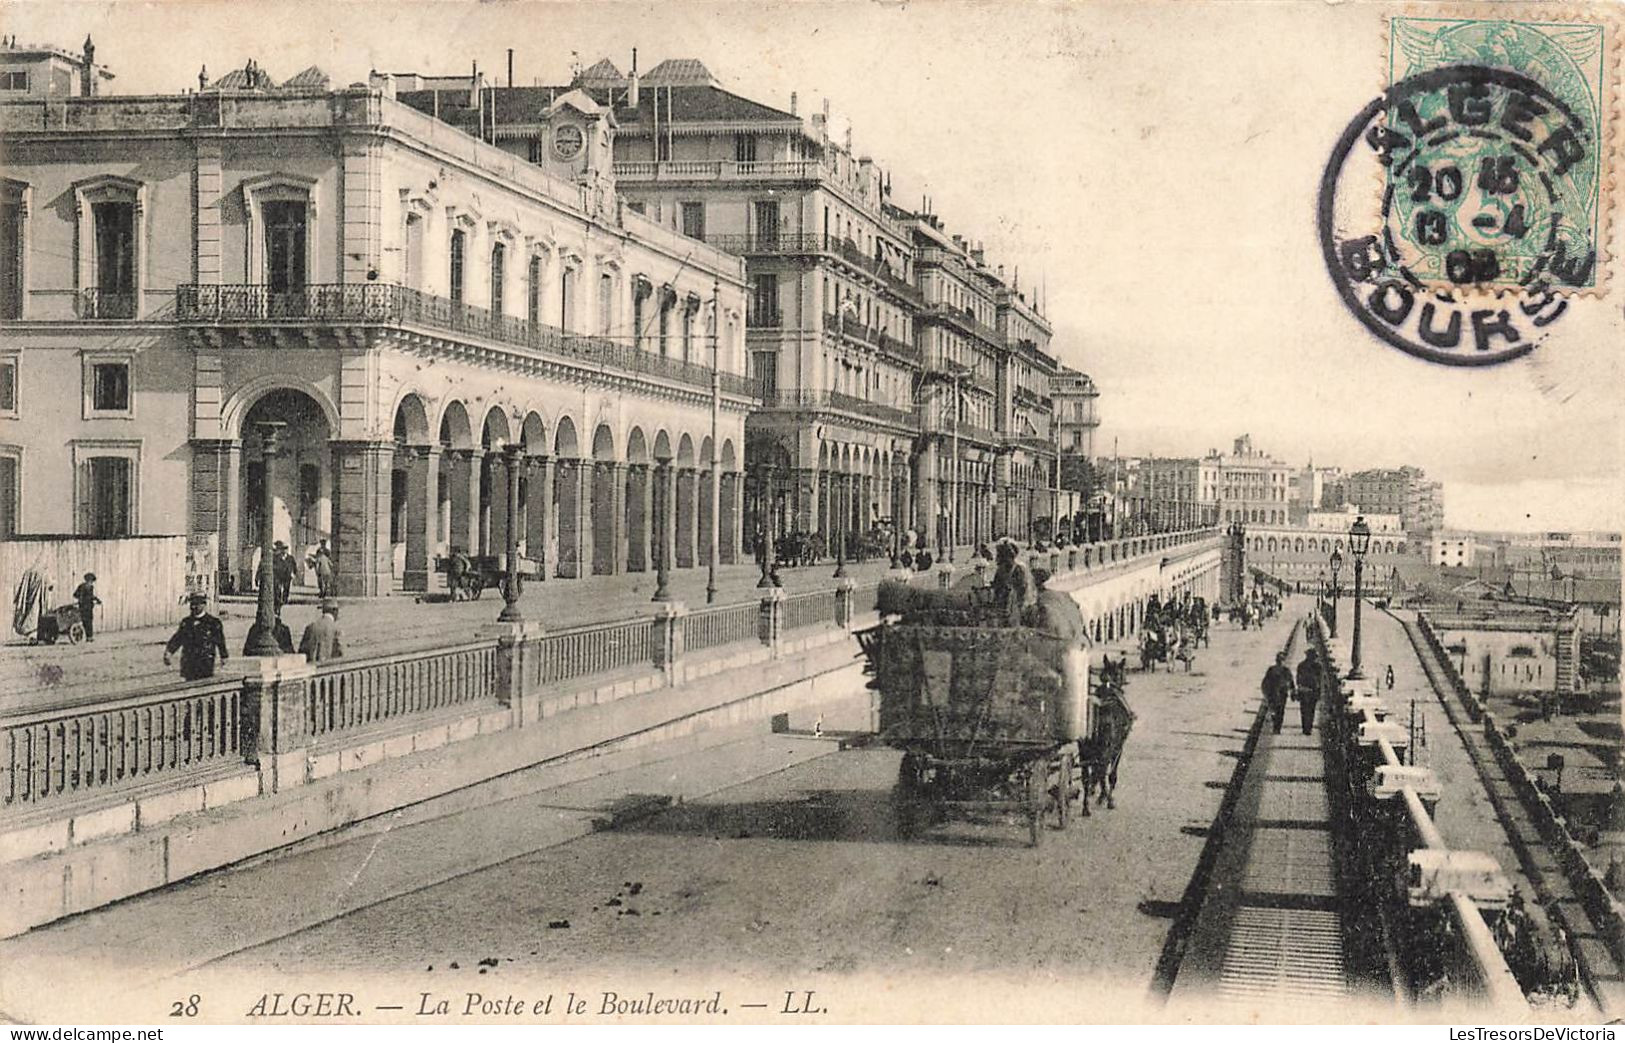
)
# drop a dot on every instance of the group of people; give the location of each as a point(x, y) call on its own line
point(1281, 686)
point(201, 638)
point(283, 567)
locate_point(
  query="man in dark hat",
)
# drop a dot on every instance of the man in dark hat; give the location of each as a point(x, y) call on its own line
point(200, 638)
point(1277, 687)
point(85, 595)
point(282, 572)
point(321, 638)
point(1308, 693)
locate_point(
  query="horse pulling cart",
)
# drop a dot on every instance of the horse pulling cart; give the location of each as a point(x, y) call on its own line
point(988, 719)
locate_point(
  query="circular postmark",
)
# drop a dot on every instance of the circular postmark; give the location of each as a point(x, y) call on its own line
point(1481, 224)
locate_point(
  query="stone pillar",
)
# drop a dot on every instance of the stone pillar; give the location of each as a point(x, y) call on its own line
point(538, 511)
point(516, 662)
point(668, 639)
point(468, 534)
point(275, 719)
point(217, 501)
point(705, 517)
point(496, 505)
point(770, 618)
point(361, 500)
point(736, 535)
point(422, 515)
point(666, 476)
point(617, 484)
point(845, 609)
point(567, 492)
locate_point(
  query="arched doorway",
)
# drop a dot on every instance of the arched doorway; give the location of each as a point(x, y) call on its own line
point(300, 480)
point(413, 496)
point(686, 513)
point(568, 496)
point(606, 538)
point(637, 501)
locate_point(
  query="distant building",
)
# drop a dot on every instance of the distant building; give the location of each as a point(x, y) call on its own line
point(28, 71)
point(1452, 549)
point(1302, 553)
point(1405, 491)
point(1251, 485)
point(1076, 412)
point(1504, 650)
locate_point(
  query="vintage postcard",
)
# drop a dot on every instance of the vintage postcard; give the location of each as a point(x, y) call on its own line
point(819, 513)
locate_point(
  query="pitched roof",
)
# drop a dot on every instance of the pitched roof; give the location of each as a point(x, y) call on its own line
point(601, 73)
point(529, 104)
point(312, 78)
point(680, 72)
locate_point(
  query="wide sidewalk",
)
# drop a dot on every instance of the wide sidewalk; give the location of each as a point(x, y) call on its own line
point(130, 661)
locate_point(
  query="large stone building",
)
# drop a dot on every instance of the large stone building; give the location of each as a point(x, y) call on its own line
point(881, 342)
point(1404, 491)
point(428, 317)
point(1252, 485)
point(1077, 412)
point(1175, 491)
point(1300, 552)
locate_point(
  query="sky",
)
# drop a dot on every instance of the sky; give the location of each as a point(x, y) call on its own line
point(1153, 167)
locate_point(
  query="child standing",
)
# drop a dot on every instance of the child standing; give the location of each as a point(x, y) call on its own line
point(85, 595)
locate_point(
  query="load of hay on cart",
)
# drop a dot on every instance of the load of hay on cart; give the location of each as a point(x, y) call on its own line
point(988, 716)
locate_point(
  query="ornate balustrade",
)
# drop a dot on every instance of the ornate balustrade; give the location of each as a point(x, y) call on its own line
point(86, 750)
point(723, 625)
point(594, 649)
point(390, 304)
point(349, 695)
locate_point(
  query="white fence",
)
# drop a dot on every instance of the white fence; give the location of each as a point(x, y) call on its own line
point(140, 579)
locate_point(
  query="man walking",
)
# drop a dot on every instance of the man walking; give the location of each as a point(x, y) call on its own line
point(322, 562)
point(1277, 690)
point(321, 638)
point(85, 595)
point(1308, 689)
point(200, 638)
point(282, 572)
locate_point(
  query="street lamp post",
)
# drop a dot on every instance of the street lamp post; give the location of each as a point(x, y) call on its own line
point(1337, 563)
point(1359, 543)
point(262, 635)
point(716, 475)
point(764, 542)
point(840, 529)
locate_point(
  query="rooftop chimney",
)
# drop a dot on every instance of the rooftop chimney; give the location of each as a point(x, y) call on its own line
point(510, 66)
point(792, 103)
point(474, 84)
point(632, 97)
point(87, 72)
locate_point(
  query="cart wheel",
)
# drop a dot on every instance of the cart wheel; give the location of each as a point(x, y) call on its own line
point(76, 633)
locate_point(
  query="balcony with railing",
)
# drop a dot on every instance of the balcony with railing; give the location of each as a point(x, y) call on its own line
point(106, 304)
point(764, 318)
point(811, 398)
point(387, 304)
point(965, 319)
point(780, 244)
point(719, 170)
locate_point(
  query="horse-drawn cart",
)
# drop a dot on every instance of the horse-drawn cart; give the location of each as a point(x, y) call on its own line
point(485, 570)
point(988, 719)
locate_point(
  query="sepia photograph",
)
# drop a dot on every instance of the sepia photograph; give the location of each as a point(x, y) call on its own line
point(926, 512)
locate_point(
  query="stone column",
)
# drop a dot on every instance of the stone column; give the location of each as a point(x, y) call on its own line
point(617, 480)
point(704, 518)
point(496, 507)
point(736, 531)
point(361, 500)
point(539, 518)
point(666, 476)
point(568, 495)
point(422, 515)
point(217, 501)
point(469, 534)
point(636, 495)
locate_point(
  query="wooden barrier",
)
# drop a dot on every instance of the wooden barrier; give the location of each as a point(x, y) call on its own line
point(140, 579)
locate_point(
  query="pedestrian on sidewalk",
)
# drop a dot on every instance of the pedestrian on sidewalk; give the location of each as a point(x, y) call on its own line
point(1277, 686)
point(321, 640)
point(1388, 677)
point(1308, 693)
point(322, 562)
point(85, 595)
point(281, 573)
point(200, 639)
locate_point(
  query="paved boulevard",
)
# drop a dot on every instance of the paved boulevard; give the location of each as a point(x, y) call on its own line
point(780, 869)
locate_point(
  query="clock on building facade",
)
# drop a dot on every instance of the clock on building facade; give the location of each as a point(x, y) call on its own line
point(567, 141)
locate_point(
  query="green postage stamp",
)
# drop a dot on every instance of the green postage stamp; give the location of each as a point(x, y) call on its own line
point(1506, 180)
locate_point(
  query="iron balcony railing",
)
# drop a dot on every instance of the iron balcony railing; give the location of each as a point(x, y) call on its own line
point(809, 398)
point(965, 318)
point(777, 244)
point(106, 304)
point(390, 304)
point(770, 318)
